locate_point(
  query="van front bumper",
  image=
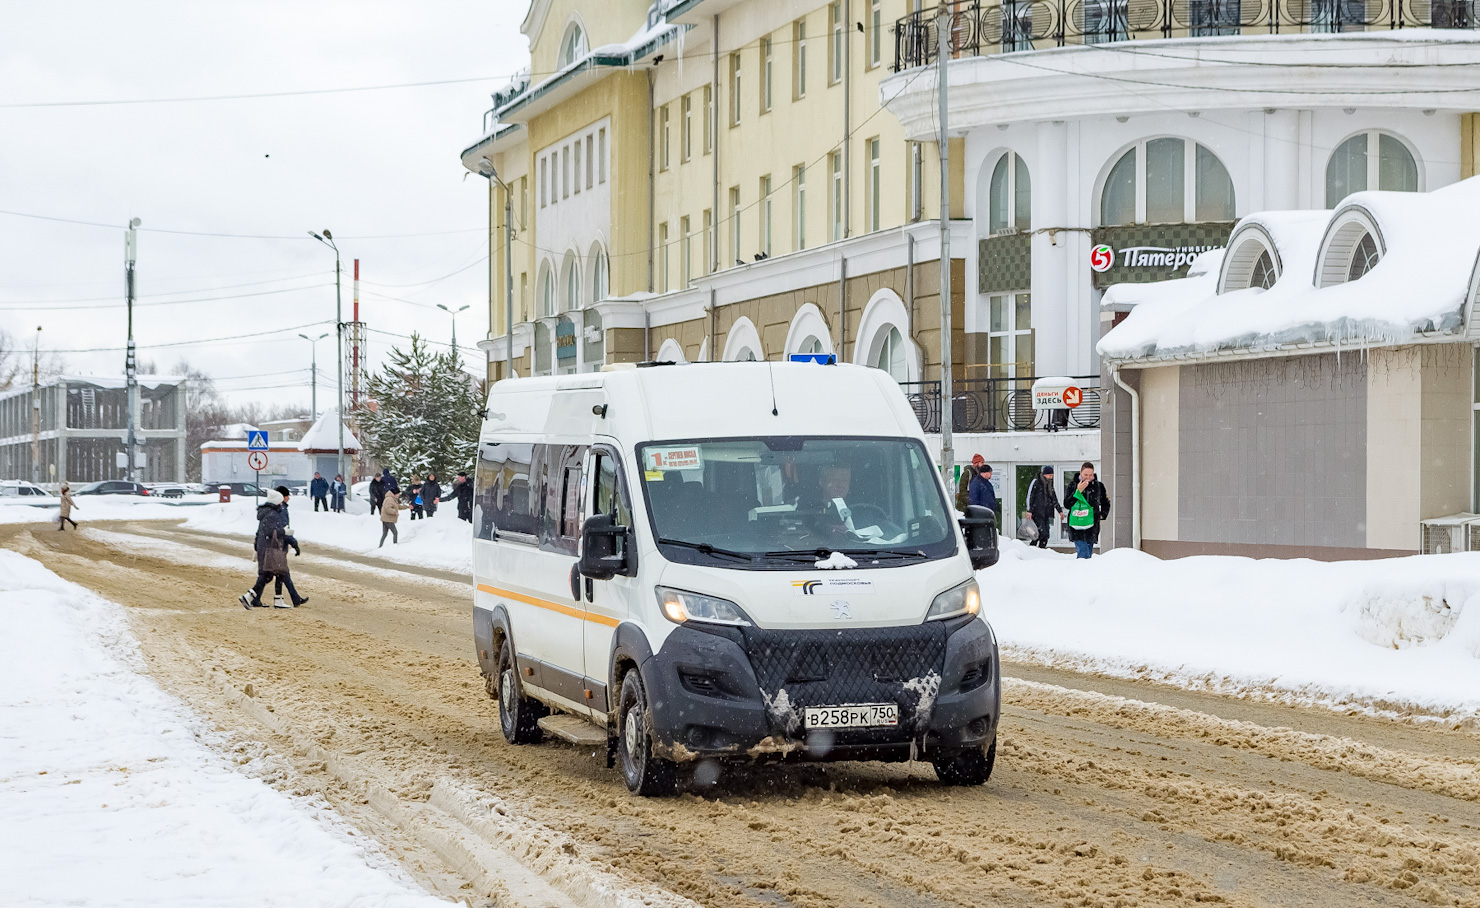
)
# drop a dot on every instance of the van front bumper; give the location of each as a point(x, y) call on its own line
point(730, 692)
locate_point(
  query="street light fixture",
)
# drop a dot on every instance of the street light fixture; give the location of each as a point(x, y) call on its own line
point(453, 313)
point(314, 342)
point(328, 240)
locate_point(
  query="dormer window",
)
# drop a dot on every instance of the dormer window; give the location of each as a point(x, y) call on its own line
point(1352, 247)
point(1364, 256)
point(1264, 275)
point(572, 46)
point(1251, 260)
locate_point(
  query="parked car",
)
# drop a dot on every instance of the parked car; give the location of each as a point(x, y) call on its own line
point(170, 489)
point(237, 488)
point(18, 491)
point(112, 487)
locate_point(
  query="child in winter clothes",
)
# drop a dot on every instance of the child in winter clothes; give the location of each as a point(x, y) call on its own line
point(66, 510)
point(390, 512)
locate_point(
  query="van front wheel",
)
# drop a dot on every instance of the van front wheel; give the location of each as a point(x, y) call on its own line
point(645, 774)
point(518, 715)
point(967, 767)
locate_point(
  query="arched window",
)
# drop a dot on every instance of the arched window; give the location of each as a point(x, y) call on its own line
point(811, 346)
point(547, 293)
point(1011, 196)
point(1354, 167)
point(1364, 256)
point(570, 273)
point(1352, 247)
point(572, 46)
point(1264, 274)
point(891, 356)
point(600, 275)
point(1184, 182)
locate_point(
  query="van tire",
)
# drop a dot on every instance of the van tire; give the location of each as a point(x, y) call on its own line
point(518, 715)
point(645, 774)
point(966, 767)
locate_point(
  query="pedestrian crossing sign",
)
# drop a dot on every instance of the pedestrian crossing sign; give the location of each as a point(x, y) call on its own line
point(257, 441)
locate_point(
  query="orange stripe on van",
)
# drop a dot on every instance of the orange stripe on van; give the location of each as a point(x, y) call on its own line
point(552, 606)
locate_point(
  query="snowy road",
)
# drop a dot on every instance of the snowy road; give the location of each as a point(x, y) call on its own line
point(1107, 792)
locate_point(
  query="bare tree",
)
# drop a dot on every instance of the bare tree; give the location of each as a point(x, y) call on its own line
point(10, 360)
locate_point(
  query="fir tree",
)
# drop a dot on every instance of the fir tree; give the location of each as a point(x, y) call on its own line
point(427, 414)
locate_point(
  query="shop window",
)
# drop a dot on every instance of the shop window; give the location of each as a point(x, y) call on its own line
point(1354, 167)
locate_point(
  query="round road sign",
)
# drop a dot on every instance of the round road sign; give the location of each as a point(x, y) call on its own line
point(257, 460)
point(1073, 397)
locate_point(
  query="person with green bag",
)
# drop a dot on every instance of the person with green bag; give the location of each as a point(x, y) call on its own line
point(1088, 504)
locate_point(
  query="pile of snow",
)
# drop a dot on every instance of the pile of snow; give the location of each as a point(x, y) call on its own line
point(110, 796)
point(1392, 635)
point(441, 542)
point(1420, 284)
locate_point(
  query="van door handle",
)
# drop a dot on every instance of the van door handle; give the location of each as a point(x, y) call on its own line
point(575, 582)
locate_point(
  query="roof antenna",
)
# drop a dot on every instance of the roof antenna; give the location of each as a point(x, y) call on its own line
point(771, 371)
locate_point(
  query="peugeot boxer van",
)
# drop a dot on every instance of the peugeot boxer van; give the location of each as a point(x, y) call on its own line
point(729, 562)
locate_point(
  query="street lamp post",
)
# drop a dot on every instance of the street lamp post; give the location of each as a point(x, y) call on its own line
point(131, 360)
point(328, 240)
point(36, 409)
point(453, 313)
point(314, 380)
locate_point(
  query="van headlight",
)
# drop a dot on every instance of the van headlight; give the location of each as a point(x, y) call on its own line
point(680, 606)
point(965, 599)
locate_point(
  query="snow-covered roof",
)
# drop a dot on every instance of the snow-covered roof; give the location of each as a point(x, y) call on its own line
point(119, 382)
point(1202, 278)
point(1421, 285)
point(324, 435)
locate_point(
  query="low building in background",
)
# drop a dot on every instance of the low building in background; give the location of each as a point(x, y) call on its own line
point(1312, 392)
point(84, 427)
point(226, 459)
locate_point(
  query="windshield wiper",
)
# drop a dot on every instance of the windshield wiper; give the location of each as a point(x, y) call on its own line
point(883, 553)
point(705, 548)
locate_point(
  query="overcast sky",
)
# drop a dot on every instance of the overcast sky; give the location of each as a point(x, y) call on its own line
point(363, 164)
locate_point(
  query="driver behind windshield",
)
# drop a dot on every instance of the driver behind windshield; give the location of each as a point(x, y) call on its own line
point(830, 498)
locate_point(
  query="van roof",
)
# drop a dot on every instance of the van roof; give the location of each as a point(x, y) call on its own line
point(705, 400)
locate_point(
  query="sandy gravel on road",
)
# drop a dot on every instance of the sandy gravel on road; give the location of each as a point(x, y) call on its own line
point(1098, 799)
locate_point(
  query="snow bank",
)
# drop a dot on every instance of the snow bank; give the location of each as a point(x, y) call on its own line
point(1392, 635)
point(441, 542)
point(110, 796)
point(105, 507)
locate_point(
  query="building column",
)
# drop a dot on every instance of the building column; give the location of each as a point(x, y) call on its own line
point(1281, 160)
point(1052, 264)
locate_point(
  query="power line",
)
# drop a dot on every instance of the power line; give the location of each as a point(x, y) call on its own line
point(208, 340)
point(185, 99)
point(46, 306)
point(240, 236)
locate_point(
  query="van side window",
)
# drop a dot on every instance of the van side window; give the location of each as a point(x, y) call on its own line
point(504, 500)
point(610, 494)
point(560, 469)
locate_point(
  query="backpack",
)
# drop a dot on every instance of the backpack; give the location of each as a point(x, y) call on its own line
point(1081, 513)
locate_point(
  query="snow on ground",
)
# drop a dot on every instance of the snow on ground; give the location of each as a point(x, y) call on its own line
point(105, 507)
point(110, 795)
point(441, 542)
point(1390, 636)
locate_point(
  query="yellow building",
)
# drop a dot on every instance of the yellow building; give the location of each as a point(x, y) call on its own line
point(712, 179)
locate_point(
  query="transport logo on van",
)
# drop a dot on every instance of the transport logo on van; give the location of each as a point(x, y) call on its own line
point(684, 457)
point(835, 586)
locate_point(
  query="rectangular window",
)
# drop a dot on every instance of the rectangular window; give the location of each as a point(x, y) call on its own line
point(875, 32)
point(601, 155)
point(835, 164)
point(1010, 335)
point(523, 200)
point(686, 129)
point(873, 185)
point(709, 249)
point(663, 272)
point(735, 93)
point(708, 119)
point(799, 206)
point(524, 296)
point(663, 138)
point(544, 178)
point(917, 182)
point(765, 218)
point(685, 252)
point(576, 187)
point(735, 252)
point(767, 73)
point(835, 27)
point(799, 59)
point(590, 160)
point(565, 173)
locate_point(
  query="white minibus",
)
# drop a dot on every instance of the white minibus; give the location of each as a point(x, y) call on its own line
point(730, 562)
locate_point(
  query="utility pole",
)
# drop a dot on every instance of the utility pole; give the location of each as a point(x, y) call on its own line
point(947, 414)
point(131, 362)
point(314, 344)
point(36, 409)
point(328, 240)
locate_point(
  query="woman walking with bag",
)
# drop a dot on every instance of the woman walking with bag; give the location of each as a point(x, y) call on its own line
point(1088, 504)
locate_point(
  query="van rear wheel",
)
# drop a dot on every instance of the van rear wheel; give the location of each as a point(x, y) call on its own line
point(972, 766)
point(518, 715)
point(644, 773)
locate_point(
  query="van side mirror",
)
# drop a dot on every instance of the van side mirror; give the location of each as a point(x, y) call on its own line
point(979, 526)
point(604, 549)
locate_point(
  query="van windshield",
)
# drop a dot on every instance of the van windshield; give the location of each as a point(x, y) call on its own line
point(777, 502)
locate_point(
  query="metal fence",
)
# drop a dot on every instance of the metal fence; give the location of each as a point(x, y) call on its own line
point(1001, 405)
point(1003, 26)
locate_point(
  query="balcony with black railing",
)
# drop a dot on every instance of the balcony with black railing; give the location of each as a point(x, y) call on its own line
point(1004, 26)
point(1001, 405)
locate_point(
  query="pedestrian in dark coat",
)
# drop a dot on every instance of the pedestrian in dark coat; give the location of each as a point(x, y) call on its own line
point(1043, 503)
point(431, 493)
point(318, 490)
point(963, 485)
point(413, 491)
point(462, 490)
point(377, 494)
point(391, 486)
point(1085, 483)
point(271, 545)
point(336, 493)
point(981, 491)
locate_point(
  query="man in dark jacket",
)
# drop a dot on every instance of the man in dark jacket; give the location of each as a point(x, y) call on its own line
point(391, 486)
point(981, 491)
point(271, 545)
point(1043, 503)
point(1094, 493)
point(377, 494)
point(462, 490)
point(318, 490)
point(431, 493)
point(963, 485)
